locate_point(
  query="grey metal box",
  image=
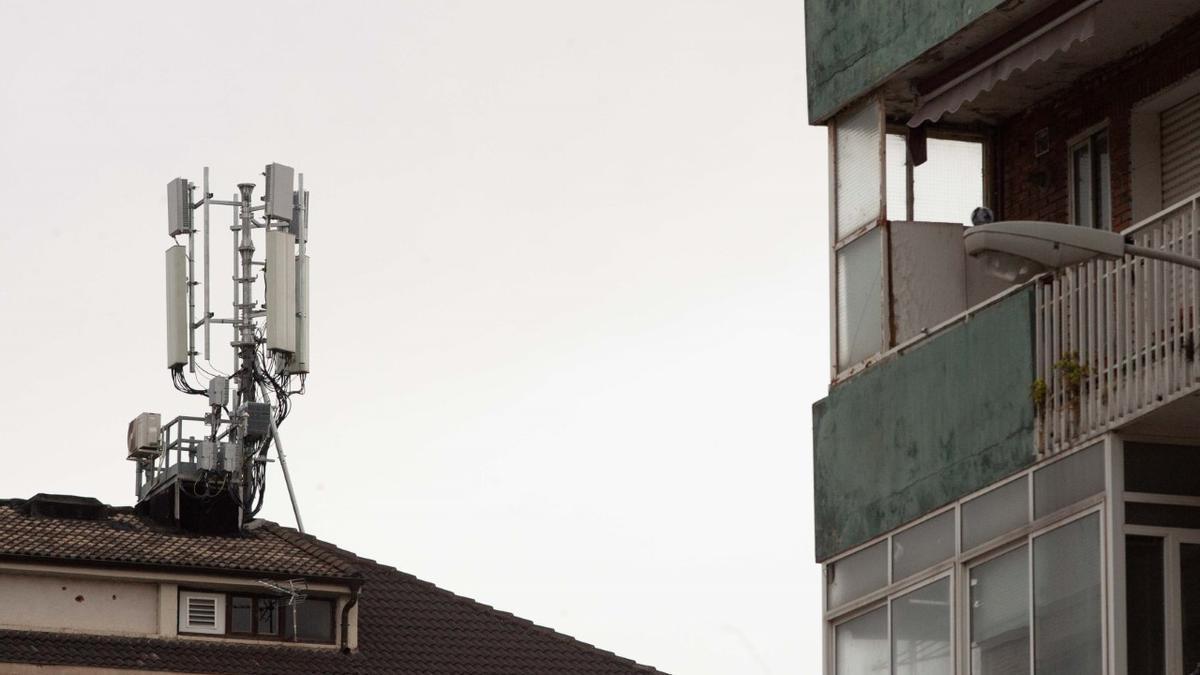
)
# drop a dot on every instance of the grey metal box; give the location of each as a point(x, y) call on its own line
point(218, 391)
point(206, 456)
point(279, 191)
point(143, 438)
point(231, 457)
point(179, 207)
point(258, 420)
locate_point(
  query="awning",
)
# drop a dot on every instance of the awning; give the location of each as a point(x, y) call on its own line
point(1059, 35)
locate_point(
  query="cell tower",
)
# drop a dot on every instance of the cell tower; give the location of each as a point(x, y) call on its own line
point(208, 473)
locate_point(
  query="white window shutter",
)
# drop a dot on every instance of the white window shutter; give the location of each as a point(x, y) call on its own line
point(202, 613)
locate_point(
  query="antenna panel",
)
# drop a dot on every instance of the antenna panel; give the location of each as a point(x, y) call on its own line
point(177, 319)
point(281, 291)
point(299, 363)
point(179, 207)
point(279, 191)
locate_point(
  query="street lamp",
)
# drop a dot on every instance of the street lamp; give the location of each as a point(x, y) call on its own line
point(1019, 249)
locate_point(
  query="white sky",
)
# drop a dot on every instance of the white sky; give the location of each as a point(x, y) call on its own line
point(569, 289)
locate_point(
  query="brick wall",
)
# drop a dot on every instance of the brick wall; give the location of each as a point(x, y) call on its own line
point(1035, 188)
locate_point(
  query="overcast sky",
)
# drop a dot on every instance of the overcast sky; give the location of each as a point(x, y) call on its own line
point(569, 289)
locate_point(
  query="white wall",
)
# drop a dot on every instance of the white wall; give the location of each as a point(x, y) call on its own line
point(77, 604)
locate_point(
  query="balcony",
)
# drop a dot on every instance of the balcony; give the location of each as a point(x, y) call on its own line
point(1116, 340)
point(930, 421)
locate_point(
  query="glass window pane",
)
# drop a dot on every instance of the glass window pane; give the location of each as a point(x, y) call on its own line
point(268, 616)
point(860, 299)
point(897, 177)
point(858, 166)
point(949, 185)
point(856, 575)
point(1144, 605)
point(921, 631)
point(1162, 468)
point(1189, 601)
point(315, 618)
point(1103, 181)
point(241, 610)
point(1067, 481)
point(862, 646)
point(1066, 599)
point(993, 513)
point(923, 546)
point(1081, 165)
point(1162, 515)
point(999, 591)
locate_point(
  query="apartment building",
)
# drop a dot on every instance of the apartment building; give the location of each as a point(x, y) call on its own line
point(1006, 474)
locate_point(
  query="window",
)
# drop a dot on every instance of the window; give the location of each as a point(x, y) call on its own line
point(1066, 599)
point(314, 618)
point(860, 307)
point(999, 593)
point(1091, 198)
point(994, 513)
point(945, 188)
point(922, 546)
point(1069, 480)
point(921, 631)
point(857, 575)
point(862, 644)
point(1014, 594)
point(262, 617)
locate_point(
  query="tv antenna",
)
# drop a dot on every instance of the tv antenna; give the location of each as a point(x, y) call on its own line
point(199, 480)
point(296, 592)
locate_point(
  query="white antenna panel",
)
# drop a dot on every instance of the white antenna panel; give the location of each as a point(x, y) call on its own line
point(279, 191)
point(179, 207)
point(177, 319)
point(281, 291)
point(299, 363)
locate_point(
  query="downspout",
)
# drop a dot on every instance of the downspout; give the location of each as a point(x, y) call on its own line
point(354, 591)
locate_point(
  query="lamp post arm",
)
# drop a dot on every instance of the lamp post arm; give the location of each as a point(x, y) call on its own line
point(1178, 259)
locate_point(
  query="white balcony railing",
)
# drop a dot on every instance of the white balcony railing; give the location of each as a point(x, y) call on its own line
point(1117, 338)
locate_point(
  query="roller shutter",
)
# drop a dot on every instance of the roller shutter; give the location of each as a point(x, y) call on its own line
point(1181, 151)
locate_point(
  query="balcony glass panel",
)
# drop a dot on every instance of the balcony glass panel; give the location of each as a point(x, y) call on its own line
point(1066, 599)
point(993, 513)
point(858, 167)
point(921, 631)
point(999, 592)
point(858, 574)
point(948, 186)
point(1068, 481)
point(923, 546)
point(860, 299)
point(862, 644)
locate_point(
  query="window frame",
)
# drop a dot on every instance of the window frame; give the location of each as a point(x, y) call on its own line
point(983, 138)
point(1080, 140)
point(958, 565)
point(225, 616)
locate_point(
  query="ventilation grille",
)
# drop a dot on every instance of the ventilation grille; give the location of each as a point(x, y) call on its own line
point(202, 613)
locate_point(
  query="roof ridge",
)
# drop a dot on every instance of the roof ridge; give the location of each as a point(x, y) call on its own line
point(475, 604)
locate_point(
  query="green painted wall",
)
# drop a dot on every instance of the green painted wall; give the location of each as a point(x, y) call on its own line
point(853, 45)
point(926, 427)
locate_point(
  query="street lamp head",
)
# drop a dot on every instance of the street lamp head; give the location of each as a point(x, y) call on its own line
point(1019, 249)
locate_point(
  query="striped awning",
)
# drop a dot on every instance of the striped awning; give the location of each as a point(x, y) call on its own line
point(1059, 35)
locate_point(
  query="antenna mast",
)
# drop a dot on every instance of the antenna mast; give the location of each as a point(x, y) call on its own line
point(216, 480)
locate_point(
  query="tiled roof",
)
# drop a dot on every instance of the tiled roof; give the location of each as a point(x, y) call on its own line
point(405, 625)
point(127, 539)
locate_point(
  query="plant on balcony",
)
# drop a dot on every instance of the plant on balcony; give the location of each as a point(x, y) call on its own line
point(1037, 392)
point(1072, 373)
